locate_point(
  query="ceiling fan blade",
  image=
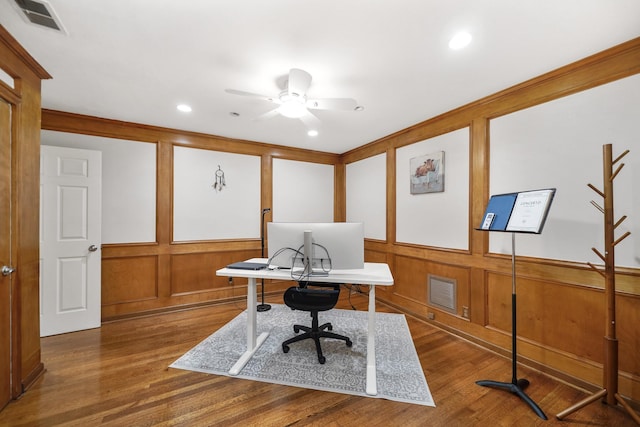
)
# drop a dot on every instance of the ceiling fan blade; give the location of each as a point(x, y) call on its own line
point(250, 94)
point(310, 121)
point(268, 115)
point(342, 104)
point(299, 82)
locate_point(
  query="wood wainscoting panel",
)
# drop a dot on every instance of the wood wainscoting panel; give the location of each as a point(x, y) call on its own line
point(196, 272)
point(375, 255)
point(566, 318)
point(372, 255)
point(129, 279)
point(411, 280)
point(628, 334)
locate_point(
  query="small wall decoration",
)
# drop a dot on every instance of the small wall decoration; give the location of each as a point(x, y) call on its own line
point(427, 173)
point(219, 182)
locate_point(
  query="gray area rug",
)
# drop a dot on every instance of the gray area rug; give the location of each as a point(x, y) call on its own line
point(399, 374)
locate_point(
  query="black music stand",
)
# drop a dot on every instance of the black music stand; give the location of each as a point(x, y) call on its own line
point(262, 306)
point(523, 212)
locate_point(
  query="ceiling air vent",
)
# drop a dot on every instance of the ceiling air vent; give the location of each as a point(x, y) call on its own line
point(40, 13)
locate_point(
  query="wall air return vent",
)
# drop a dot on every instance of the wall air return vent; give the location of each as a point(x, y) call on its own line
point(41, 13)
point(442, 293)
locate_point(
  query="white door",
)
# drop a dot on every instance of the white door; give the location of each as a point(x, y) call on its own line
point(70, 221)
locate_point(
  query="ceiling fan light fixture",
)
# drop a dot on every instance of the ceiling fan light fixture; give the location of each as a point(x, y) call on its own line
point(292, 106)
point(294, 103)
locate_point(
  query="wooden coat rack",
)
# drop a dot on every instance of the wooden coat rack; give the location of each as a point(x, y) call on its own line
point(609, 394)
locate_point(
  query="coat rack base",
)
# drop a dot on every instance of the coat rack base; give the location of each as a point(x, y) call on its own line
point(602, 394)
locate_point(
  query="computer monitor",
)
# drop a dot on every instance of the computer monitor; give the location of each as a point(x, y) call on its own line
point(329, 246)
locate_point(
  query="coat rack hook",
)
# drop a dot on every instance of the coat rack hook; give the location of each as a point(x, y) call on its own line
point(602, 257)
point(600, 208)
point(621, 238)
point(597, 270)
point(616, 172)
point(620, 156)
point(596, 190)
point(619, 222)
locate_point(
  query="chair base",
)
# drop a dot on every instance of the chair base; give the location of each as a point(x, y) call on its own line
point(315, 333)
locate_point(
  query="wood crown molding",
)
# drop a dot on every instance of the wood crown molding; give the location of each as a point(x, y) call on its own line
point(12, 44)
point(612, 64)
point(61, 121)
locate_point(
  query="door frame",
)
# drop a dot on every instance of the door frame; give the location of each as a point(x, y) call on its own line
point(24, 96)
point(7, 257)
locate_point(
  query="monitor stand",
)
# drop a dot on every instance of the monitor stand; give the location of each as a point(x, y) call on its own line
point(319, 273)
point(308, 256)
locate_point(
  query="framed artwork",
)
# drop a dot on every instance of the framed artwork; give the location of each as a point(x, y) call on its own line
point(427, 173)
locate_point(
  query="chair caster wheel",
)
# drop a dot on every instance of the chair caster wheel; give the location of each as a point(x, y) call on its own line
point(296, 329)
point(349, 343)
point(322, 359)
point(330, 327)
point(285, 348)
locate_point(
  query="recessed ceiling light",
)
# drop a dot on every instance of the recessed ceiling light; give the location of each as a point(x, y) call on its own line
point(460, 40)
point(312, 132)
point(184, 108)
point(234, 114)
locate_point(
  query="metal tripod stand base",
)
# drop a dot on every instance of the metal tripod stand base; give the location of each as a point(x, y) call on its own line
point(516, 387)
point(263, 307)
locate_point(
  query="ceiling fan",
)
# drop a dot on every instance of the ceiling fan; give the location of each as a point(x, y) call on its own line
point(293, 102)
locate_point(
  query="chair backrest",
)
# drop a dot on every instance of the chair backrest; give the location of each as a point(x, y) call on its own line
point(312, 296)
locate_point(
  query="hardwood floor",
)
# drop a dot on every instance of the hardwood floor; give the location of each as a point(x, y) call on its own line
point(118, 375)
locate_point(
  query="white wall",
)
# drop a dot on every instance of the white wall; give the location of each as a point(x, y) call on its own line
point(6, 78)
point(435, 219)
point(302, 191)
point(128, 184)
point(367, 195)
point(559, 144)
point(200, 212)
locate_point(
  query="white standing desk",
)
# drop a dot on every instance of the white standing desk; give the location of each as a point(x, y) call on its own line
point(373, 274)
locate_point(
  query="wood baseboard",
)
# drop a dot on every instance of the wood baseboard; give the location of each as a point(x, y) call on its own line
point(33, 376)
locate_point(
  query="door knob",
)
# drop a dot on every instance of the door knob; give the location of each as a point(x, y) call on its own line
point(6, 270)
point(93, 248)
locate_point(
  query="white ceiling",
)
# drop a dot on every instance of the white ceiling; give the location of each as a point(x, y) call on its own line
point(135, 60)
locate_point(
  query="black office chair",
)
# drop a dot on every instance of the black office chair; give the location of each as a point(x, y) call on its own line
point(313, 297)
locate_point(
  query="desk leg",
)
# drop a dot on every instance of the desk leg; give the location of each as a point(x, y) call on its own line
point(253, 342)
point(372, 387)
